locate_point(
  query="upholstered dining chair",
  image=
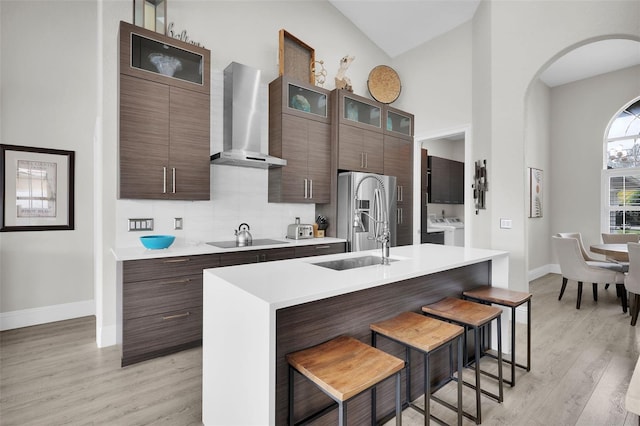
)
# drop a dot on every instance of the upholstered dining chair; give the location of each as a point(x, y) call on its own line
point(608, 264)
point(577, 236)
point(632, 280)
point(574, 267)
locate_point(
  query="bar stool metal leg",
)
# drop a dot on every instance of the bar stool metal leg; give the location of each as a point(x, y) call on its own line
point(476, 344)
point(291, 393)
point(460, 340)
point(427, 391)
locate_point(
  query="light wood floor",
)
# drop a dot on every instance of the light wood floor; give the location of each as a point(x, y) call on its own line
point(582, 361)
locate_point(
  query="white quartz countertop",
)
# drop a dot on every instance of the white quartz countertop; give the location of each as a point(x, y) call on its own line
point(290, 282)
point(139, 252)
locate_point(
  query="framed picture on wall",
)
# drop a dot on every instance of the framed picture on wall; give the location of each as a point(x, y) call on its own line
point(535, 192)
point(37, 188)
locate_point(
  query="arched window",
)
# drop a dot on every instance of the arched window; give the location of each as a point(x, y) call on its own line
point(623, 171)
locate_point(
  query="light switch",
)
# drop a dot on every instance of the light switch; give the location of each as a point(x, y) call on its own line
point(505, 223)
point(177, 223)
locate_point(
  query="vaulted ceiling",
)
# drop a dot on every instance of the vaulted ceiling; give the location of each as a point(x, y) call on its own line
point(397, 26)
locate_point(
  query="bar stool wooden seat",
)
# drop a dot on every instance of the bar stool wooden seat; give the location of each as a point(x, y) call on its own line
point(511, 299)
point(343, 368)
point(425, 335)
point(473, 316)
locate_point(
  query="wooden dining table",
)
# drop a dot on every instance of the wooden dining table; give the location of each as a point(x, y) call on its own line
point(619, 252)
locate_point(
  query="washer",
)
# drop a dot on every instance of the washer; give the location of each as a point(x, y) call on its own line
point(441, 223)
point(458, 234)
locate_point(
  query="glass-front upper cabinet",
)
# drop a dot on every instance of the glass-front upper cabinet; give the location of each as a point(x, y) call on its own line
point(307, 100)
point(165, 59)
point(359, 111)
point(153, 56)
point(399, 122)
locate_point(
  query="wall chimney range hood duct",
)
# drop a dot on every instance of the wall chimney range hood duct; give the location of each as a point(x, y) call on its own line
point(242, 120)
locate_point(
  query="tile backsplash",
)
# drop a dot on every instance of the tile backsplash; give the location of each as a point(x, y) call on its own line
point(238, 195)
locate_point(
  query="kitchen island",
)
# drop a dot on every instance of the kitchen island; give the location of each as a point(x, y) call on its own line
point(255, 314)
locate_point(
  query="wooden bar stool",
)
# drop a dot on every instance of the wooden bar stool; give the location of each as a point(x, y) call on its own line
point(343, 368)
point(474, 316)
point(511, 299)
point(424, 335)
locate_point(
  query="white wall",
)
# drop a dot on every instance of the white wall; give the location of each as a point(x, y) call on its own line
point(580, 114)
point(513, 42)
point(48, 81)
point(436, 82)
point(537, 146)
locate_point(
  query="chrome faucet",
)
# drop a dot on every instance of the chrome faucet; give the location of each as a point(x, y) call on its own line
point(385, 236)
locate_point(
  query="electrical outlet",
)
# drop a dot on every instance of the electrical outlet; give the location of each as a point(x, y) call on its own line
point(505, 223)
point(177, 223)
point(141, 224)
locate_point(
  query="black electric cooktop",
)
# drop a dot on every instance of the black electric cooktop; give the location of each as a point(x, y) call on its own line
point(257, 242)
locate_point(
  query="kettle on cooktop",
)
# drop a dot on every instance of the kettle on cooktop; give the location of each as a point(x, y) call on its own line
point(243, 236)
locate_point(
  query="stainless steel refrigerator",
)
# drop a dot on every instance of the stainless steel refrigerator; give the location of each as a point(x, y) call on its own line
point(376, 195)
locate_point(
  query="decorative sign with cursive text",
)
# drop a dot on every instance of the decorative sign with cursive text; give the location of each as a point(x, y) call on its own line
point(182, 35)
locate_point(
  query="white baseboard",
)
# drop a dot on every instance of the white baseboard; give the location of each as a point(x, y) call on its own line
point(543, 270)
point(46, 314)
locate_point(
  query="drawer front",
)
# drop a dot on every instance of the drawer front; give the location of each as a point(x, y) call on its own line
point(158, 332)
point(255, 256)
point(151, 269)
point(155, 297)
point(319, 250)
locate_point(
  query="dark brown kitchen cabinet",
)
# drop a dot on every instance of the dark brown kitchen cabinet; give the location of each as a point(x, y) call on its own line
point(162, 305)
point(163, 126)
point(424, 191)
point(446, 181)
point(398, 162)
point(320, 249)
point(256, 256)
point(359, 133)
point(299, 132)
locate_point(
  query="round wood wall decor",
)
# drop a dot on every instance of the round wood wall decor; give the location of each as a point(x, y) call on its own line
point(384, 84)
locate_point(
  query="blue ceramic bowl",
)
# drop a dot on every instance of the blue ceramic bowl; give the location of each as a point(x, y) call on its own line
point(155, 242)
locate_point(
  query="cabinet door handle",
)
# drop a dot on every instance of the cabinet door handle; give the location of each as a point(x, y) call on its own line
point(401, 193)
point(305, 189)
point(366, 160)
point(164, 180)
point(184, 281)
point(184, 259)
point(362, 160)
point(170, 317)
point(310, 188)
point(173, 177)
point(322, 247)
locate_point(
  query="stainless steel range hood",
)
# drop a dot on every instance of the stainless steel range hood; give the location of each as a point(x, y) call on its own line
point(242, 120)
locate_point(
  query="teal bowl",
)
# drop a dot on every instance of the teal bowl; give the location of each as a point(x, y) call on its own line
point(155, 242)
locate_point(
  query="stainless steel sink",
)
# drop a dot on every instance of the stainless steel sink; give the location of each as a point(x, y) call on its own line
point(354, 262)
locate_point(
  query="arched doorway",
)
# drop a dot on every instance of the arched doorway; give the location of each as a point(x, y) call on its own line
point(565, 123)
